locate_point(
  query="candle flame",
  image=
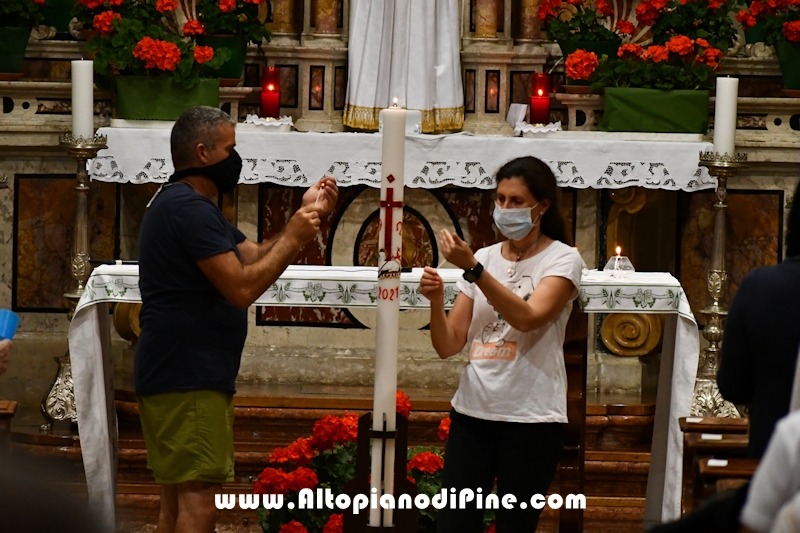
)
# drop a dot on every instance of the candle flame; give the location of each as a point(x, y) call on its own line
point(541, 92)
point(394, 102)
point(619, 250)
point(270, 87)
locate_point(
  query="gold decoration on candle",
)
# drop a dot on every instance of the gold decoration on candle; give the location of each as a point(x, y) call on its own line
point(439, 119)
point(327, 16)
point(486, 19)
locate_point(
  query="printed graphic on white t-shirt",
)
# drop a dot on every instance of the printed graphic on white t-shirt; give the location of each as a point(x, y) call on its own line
point(493, 344)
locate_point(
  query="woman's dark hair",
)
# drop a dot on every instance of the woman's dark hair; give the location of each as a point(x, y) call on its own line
point(793, 226)
point(542, 185)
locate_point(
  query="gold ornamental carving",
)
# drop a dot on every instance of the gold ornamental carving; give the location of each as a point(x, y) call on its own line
point(126, 320)
point(632, 334)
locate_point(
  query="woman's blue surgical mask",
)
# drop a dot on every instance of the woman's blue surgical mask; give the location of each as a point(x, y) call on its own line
point(515, 224)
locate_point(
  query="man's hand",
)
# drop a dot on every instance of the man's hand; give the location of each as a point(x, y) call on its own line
point(322, 195)
point(304, 225)
point(5, 355)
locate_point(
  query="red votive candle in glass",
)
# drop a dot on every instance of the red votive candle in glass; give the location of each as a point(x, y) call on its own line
point(540, 109)
point(270, 93)
point(540, 84)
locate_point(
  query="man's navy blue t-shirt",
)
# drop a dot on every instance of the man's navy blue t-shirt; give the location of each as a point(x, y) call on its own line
point(192, 337)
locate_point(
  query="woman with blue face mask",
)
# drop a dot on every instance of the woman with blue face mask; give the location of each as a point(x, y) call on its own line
point(511, 315)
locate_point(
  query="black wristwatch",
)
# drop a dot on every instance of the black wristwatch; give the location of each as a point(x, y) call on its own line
point(473, 273)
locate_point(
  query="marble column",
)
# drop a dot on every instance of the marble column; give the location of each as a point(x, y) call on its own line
point(486, 19)
point(283, 16)
point(327, 15)
point(529, 23)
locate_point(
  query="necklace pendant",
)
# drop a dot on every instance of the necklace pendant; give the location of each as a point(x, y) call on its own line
point(511, 272)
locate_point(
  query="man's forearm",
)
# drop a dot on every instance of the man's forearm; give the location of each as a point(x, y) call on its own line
point(265, 246)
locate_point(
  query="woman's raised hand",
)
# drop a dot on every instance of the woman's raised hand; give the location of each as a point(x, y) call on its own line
point(456, 251)
point(431, 285)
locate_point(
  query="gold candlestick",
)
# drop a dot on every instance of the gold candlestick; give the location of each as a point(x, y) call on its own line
point(707, 401)
point(59, 403)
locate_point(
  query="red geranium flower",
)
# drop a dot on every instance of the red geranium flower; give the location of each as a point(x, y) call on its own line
point(629, 50)
point(580, 64)
point(156, 53)
point(757, 8)
point(646, 13)
point(293, 527)
point(427, 462)
point(701, 42)
point(39, 2)
point(625, 27)
point(227, 5)
point(302, 478)
point(203, 54)
point(351, 423)
point(403, 404)
point(603, 9)
point(104, 22)
point(549, 8)
point(746, 19)
point(791, 30)
point(330, 431)
point(711, 57)
point(444, 428)
point(300, 452)
point(91, 4)
point(166, 5)
point(115, 2)
point(334, 524)
point(193, 27)
point(714, 4)
point(657, 53)
point(681, 45)
point(272, 481)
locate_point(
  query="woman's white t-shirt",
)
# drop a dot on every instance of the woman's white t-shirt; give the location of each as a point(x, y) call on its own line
point(514, 376)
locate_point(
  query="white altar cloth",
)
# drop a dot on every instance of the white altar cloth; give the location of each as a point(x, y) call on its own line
point(641, 292)
point(300, 159)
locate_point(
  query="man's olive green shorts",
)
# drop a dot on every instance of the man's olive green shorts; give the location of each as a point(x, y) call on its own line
point(189, 435)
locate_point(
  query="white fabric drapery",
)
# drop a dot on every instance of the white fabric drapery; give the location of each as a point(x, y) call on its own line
point(409, 50)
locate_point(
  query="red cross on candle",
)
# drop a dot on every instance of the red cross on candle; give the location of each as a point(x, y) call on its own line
point(389, 204)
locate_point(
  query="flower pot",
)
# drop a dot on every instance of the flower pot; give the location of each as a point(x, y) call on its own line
point(13, 42)
point(160, 97)
point(600, 48)
point(789, 60)
point(58, 13)
point(232, 69)
point(651, 110)
point(755, 34)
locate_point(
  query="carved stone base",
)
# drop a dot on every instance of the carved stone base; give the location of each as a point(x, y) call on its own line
point(488, 128)
point(708, 402)
point(59, 403)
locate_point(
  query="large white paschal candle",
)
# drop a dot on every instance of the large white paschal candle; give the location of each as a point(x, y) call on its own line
point(390, 247)
point(725, 116)
point(83, 99)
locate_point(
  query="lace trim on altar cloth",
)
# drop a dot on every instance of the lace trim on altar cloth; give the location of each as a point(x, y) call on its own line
point(432, 174)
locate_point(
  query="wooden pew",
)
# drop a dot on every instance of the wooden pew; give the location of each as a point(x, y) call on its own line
point(7, 411)
point(699, 446)
point(710, 475)
point(571, 466)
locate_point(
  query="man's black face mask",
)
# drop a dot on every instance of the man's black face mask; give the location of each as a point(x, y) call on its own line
point(224, 174)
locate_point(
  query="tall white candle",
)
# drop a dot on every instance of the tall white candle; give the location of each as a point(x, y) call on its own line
point(388, 308)
point(83, 99)
point(725, 115)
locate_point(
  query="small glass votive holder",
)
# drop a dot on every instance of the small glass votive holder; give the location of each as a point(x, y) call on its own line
point(619, 266)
